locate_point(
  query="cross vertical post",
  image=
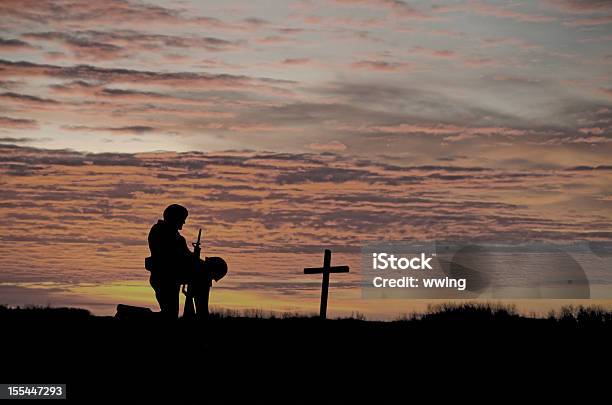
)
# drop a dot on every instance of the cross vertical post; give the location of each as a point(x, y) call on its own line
point(325, 270)
point(325, 284)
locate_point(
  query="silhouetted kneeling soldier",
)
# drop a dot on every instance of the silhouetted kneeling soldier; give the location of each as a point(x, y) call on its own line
point(172, 264)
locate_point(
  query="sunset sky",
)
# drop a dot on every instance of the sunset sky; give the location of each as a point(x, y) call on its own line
point(290, 127)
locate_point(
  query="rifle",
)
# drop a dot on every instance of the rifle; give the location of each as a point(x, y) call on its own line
point(189, 309)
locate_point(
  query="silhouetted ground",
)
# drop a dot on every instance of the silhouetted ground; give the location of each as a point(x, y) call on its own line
point(470, 354)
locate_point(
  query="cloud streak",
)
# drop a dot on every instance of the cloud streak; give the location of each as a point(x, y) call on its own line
point(17, 123)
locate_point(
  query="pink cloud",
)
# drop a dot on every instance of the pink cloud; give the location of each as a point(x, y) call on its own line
point(580, 140)
point(607, 92)
point(28, 101)
point(447, 33)
point(334, 22)
point(511, 41)
point(17, 123)
point(435, 53)
point(81, 47)
point(84, 15)
point(478, 62)
point(603, 38)
point(383, 66)
point(397, 7)
point(117, 75)
point(296, 61)
point(113, 11)
point(217, 64)
point(101, 45)
point(592, 130)
point(254, 127)
point(53, 56)
point(459, 138)
point(12, 45)
point(445, 129)
point(581, 6)
point(486, 9)
point(274, 39)
point(589, 21)
point(333, 146)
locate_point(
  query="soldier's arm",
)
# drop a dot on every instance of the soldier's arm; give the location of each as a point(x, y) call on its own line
point(184, 255)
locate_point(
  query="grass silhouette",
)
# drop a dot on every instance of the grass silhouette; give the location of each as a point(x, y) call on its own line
point(578, 316)
point(475, 353)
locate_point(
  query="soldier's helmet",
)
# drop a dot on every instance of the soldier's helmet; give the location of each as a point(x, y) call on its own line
point(217, 267)
point(175, 213)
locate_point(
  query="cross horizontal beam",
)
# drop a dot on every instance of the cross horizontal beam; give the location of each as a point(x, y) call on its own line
point(331, 269)
point(326, 270)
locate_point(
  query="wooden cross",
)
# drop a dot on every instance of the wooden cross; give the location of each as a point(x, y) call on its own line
point(326, 269)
